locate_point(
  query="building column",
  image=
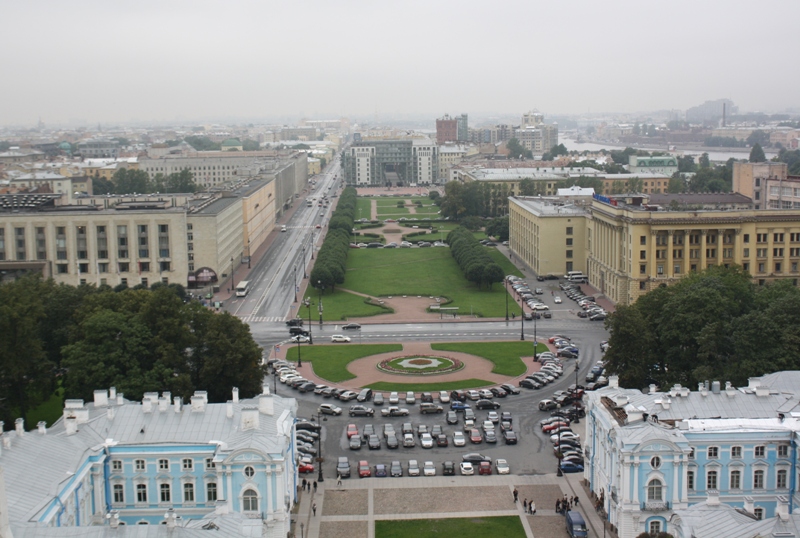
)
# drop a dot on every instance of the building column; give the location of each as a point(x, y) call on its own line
point(720, 246)
point(703, 246)
point(668, 270)
point(635, 464)
point(737, 252)
point(653, 261)
point(676, 464)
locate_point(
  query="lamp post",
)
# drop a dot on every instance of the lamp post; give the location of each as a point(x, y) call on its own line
point(577, 367)
point(294, 283)
point(304, 262)
point(233, 280)
point(320, 459)
point(535, 340)
point(321, 287)
point(505, 287)
point(522, 321)
point(307, 304)
point(249, 254)
point(560, 449)
point(299, 359)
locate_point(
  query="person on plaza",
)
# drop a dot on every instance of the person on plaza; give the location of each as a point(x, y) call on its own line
point(338, 479)
point(314, 508)
point(525, 505)
point(315, 486)
point(572, 501)
point(558, 506)
point(516, 495)
point(576, 500)
point(532, 508)
point(304, 484)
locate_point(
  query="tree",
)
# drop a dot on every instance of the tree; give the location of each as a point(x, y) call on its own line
point(202, 143)
point(676, 184)
point(493, 273)
point(758, 137)
point(517, 150)
point(471, 223)
point(757, 154)
point(250, 145)
point(529, 187)
point(686, 164)
point(498, 228)
point(791, 158)
point(434, 195)
point(705, 162)
point(101, 185)
point(182, 182)
point(131, 181)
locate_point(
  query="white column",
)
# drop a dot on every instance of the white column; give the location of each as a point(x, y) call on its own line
point(675, 466)
point(229, 488)
point(635, 463)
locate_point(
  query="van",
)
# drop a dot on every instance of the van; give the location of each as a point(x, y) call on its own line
point(580, 278)
point(283, 228)
point(576, 526)
point(571, 273)
point(365, 395)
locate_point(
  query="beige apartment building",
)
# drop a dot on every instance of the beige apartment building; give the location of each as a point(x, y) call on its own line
point(631, 245)
point(768, 184)
point(547, 235)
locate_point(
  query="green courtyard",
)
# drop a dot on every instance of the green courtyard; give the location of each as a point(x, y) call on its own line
point(483, 527)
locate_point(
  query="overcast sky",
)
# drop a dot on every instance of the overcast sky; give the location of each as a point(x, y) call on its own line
point(143, 60)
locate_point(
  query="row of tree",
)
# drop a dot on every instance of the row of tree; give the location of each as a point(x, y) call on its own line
point(714, 325)
point(331, 264)
point(204, 143)
point(476, 198)
point(476, 264)
point(137, 340)
point(127, 181)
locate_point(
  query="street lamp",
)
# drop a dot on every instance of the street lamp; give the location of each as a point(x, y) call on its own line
point(294, 283)
point(522, 321)
point(304, 262)
point(505, 287)
point(299, 359)
point(307, 304)
point(320, 459)
point(321, 287)
point(560, 447)
point(577, 367)
point(249, 254)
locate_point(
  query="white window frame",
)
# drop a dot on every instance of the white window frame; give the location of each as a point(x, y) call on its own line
point(187, 464)
point(161, 466)
point(116, 466)
point(140, 466)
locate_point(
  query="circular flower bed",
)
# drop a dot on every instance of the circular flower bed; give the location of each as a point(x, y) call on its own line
point(419, 365)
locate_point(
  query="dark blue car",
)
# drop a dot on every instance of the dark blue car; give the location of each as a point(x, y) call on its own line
point(456, 405)
point(569, 467)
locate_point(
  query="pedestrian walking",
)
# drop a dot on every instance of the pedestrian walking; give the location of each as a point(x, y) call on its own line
point(525, 505)
point(314, 508)
point(576, 500)
point(516, 495)
point(315, 486)
point(572, 501)
point(304, 484)
point(338, 479)
point(558, 506)
point(532, 508)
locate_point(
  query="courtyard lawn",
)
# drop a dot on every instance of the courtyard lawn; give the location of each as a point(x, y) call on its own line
point(428, 272)
point(388, 211)
point(363, 208)
point(484, 527)
point(506, 356)
point(338, 305)
point(330, 361)
point(430, 387)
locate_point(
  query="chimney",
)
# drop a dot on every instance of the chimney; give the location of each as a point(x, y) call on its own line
point(235, 394)
point(120, 398)
point(753, 382)
point(249, 418)
point(762, 391)
point(168, 395)
point(749, 505)
point(19, 425)
point(713, 498)
point(652, 389)
point(170, 518)
point(782, 509)
point(163, 404)
point(71, 425)
point(198, 403)
point(266, 405)
point(100, 398)
point(112, 393)
point(264, 389)
point(177, 403)
point(152, 396)
point(701, 387)
point(42, 427)
point(147, 405)
point(229, 409)
point(110, 412)
point(665, 403)
point(202, 393)
point(613, 382)
point(715, 387)
point(729, 390)
point(113, 519)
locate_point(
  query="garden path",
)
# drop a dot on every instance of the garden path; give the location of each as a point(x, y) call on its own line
point(406, 309)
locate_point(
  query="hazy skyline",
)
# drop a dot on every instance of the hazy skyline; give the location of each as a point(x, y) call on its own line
point(103, 61)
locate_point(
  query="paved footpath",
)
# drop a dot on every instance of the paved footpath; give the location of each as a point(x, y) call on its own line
point(351, 510)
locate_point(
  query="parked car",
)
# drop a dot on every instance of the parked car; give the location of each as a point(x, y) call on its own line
point(429, 469)
point(363, 469)
point(411, 399)
point(448, 468)
point(377, 398)
point(355, 443)
point(452, 417)
point(329, 409)
point(409, 441)
point(393, 411)
point(459, 439)
point(413, 468)
point(361, 411)
point(485, 468)
point(467, 469)
point(458, 405)
point(394, 398)
point(444, 397)
point(569, 467)
point(486, 404)
point(343, 467)
point(396, 469)
point(380, 471)
point(352, 430)
point(426, 440)
point(374, 442)
point(501, 466)
point(426, 408)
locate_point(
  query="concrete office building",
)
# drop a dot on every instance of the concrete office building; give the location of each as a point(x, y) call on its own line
point(382, 162)
point(768, 184)
point(181, 469)
point(539, 139)
point(546, 179)
point(98, 148)
point(652, 456)
point(446, 130)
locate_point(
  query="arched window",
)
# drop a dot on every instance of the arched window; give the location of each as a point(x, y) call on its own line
point(655, 527)
point(655, 490)
point(250, 501)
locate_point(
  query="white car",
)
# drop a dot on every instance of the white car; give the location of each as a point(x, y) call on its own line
point(565, 435)
point(410, 397)
point(502, 466)
point(459, 439)
point(494, 417)
point(557, 299)
point(488, 425)
point(394, 398)
point(405, 244)
point(540, 306)
point(426, 440)
point(286, 377)
point(300, 338)
point(409, 442)
point(340, 338)
point(413, 468)
point(428, 469)
point(466, 468)
point(444, 397)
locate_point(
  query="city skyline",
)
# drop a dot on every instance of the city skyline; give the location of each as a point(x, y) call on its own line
point(181, 62)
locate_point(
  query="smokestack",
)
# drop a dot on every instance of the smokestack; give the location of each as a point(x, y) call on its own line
point(723, 114)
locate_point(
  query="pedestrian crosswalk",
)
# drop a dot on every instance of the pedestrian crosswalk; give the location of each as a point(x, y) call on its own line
point(262, 319)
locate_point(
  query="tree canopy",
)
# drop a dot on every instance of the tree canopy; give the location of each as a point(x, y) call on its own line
point(711, 325)
point(127, 181)
point(517, 150)
point(137, 340)
point(476, 264)
point(757, 154)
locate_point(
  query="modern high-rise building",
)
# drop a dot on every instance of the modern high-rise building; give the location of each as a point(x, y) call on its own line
point(463, 128)
point(381, 162)
point(446, 130)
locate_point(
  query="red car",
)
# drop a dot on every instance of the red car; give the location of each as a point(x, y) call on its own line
point(485, 468)
point(554, 426)
point(364, 470)
point(475, 436)
point(305, 468)
point(352, 430)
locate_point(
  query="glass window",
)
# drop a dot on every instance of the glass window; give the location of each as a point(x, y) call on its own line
point(758, 479)
point(188, 464)
point(163, 465)
point(249, 471)
point(141, 493)
point(655, 527)
point(736, 452)
point(210, 463)
point(655, 490)
point(165, 493)
point(140, 465)
point(736, 479)
point(760, 451)
point(713, 452)
point(655, 462)
point(211, 491)
point(783, 451)
point(119, 493)
point(690, 480)
point(250, 501)
point(759, 513)
point(116, 465)
point(188, 492)
point(781, 479)
point(711, 480)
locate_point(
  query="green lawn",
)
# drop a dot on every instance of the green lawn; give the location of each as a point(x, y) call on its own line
point(330, 361)
point(426, 272)
point(392, 210)
point(485, 527)
point(338, 305)
point(506, 356)
point(430, 387)
point(363, 208)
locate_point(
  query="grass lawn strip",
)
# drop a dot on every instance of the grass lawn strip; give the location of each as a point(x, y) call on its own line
point(430, 387)
point(363, 208)
point(338, 305)
point(484, 527)
point(425, 272)
point(330, 361)
point(504, 355)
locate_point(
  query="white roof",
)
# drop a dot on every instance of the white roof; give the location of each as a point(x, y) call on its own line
point(576, 191)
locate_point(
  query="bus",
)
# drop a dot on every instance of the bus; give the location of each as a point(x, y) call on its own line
point(309, 202)
point(242, 288)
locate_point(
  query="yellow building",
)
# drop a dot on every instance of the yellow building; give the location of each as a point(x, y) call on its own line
point(547, 235)
point(634, 249)
point(314, 166)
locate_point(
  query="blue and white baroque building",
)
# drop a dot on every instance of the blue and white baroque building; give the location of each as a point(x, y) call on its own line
point(188, 468)
point(656, 460)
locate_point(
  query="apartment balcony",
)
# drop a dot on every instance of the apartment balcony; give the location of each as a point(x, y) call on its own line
point(655, 506)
